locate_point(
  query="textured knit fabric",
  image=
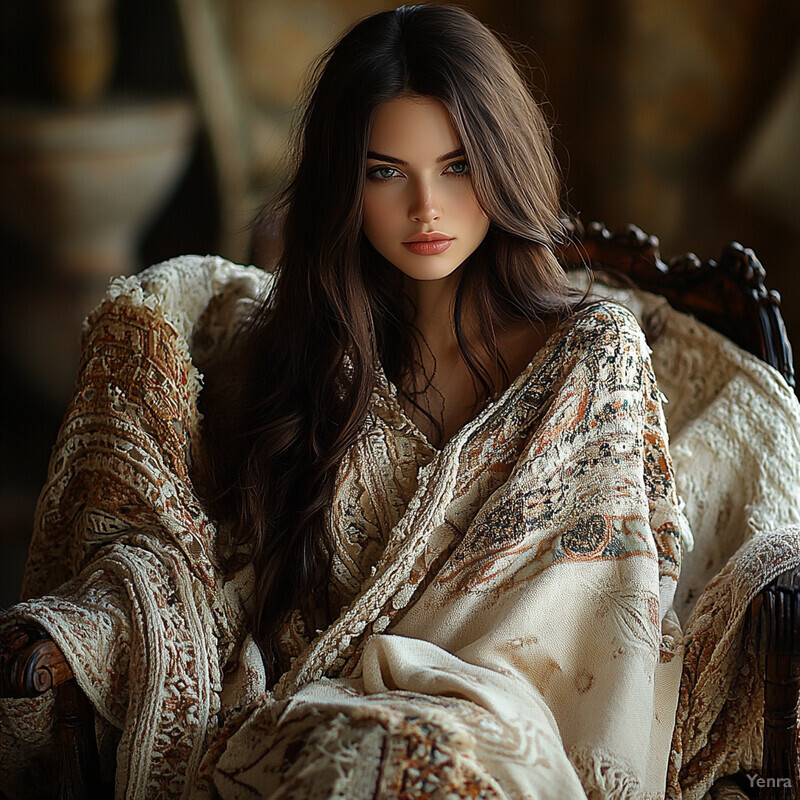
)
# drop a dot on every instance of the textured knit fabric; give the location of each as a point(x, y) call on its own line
point(506, 625)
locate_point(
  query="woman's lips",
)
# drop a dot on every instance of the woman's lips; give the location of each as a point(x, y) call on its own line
point(428, 248)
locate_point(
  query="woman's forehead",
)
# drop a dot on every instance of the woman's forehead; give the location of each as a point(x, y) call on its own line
point(413, 128)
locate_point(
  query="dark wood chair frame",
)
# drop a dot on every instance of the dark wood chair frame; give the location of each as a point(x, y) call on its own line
point(730, 296)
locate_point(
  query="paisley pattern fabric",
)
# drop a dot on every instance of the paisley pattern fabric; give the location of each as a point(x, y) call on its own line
point(505, 624)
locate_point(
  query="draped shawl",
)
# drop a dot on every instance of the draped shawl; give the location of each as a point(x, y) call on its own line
point(506, 626)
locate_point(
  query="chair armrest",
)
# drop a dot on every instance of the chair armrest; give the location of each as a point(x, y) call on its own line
point(31, 663)
point(777, 609)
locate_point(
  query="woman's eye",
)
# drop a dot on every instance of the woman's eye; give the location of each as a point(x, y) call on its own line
point(383, 173)
point(459, 168)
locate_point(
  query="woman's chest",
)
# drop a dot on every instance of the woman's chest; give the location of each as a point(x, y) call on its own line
point(393, 484)
point(454, 394)
point(445, 406)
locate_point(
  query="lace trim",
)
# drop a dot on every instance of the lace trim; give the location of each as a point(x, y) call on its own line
point(604, 777)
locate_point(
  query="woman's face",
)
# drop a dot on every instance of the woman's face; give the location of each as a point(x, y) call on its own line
point(420, 212)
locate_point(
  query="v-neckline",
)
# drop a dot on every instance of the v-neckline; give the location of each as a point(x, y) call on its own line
point(559, 332)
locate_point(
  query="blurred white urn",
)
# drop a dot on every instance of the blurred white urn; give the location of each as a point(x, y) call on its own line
point(77, 188)
point(79, 185)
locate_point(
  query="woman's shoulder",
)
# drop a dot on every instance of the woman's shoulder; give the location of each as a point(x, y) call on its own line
point(605, 324)
point(600, 342)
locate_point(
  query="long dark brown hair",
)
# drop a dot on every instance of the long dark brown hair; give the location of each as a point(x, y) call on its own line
point(295, 394)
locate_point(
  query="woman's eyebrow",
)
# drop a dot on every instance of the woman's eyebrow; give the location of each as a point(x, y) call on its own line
point(459, 151)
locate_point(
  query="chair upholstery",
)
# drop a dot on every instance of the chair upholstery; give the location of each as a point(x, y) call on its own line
point(744, 310)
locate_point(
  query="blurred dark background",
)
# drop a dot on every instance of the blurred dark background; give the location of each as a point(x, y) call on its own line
point(132, 131)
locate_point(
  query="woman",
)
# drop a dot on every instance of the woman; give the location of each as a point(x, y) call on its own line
point(445, 469)
point(421, 325)
point(451, 324)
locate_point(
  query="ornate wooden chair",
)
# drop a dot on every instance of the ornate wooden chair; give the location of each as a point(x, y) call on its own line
point(729, 295)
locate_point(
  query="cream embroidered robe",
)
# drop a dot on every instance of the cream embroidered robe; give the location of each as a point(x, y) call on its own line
point(507, 629)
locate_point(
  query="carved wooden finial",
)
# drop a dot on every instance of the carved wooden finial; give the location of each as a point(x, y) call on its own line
point(729, 295)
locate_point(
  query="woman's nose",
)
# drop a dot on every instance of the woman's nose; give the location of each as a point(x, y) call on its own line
point(424, 206)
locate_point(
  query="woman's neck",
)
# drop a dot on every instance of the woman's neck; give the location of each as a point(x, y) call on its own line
point(432, 313)
point(441, 356)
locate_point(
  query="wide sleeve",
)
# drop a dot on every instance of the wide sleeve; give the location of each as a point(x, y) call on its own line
point(123, 572)
point(670, 527)
point(607, 422)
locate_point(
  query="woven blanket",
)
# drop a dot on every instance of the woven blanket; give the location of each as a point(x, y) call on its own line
point(506, 625)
